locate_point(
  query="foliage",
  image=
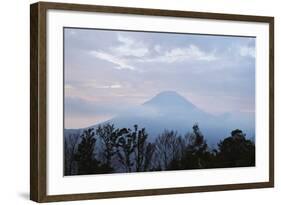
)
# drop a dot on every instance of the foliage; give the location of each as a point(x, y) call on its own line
point(85, 152)
point(167, 147)
point(70, 146)
point(236, 151)
point(111, 150)
point(108, 136)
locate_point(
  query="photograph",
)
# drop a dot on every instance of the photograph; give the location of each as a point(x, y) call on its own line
point(144, 101)
point(139, 101)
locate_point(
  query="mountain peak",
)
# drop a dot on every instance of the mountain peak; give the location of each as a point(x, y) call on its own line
point(169, 99)
point(169, 93)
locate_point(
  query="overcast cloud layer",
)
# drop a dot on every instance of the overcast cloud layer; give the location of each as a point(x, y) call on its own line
point(107, 72)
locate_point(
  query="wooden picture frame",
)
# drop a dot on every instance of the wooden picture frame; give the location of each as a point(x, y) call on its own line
point(39, 95)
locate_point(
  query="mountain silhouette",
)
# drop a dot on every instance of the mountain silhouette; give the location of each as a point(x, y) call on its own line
point(170, 110)
point(168, 99)
point(172, 103)
point(167, 110)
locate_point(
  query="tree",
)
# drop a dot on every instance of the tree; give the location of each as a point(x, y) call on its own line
point(236, 151)
point(125, 148)
point(196, 154)
point(108, 136)
point(133, 150)
point(110, 150)
point(148, 156)
point(143, 150)
point(167, 148)
point(70, 146)
point(87, 164)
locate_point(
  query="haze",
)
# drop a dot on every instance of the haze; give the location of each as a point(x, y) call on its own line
point(108, 73)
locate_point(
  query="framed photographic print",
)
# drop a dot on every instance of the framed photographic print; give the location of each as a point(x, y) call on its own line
point(134, 102)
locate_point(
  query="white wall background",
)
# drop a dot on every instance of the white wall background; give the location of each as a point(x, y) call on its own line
point(14, 101)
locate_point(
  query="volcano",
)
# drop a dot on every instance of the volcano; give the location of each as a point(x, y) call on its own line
point(169, 110)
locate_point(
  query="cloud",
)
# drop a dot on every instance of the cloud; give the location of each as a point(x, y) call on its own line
point(158, 48)
point(114, 86)
point(104, 85)
point(129, 47)
point(121, 54)
point(120, 62)
point(190, 53)
point(247, 51)
point(129, 52)
point(142, 64)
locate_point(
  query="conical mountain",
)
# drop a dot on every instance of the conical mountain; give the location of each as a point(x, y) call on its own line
point(170, 110)
point(166, 110)
point(169, 99)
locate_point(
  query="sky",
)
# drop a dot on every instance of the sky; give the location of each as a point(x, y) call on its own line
point(107, 72)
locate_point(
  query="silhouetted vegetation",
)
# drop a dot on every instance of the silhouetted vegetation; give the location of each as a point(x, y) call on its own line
point(112, 150)
point(69, 153)
point(236, 151)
